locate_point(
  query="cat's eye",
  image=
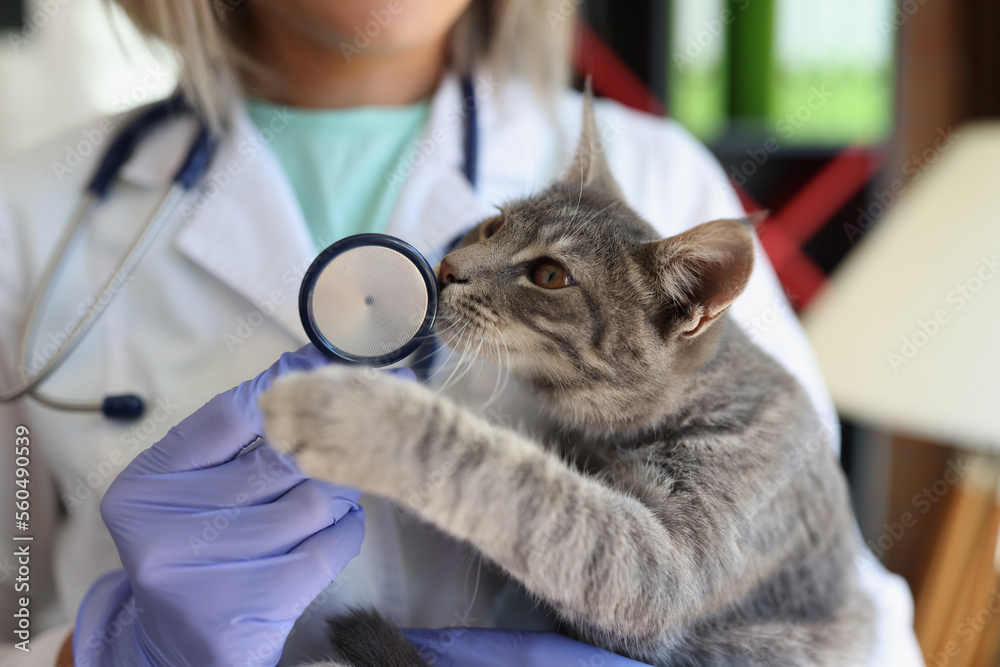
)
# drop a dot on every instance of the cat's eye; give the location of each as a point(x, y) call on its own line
point(550, 274)
point(494, 226)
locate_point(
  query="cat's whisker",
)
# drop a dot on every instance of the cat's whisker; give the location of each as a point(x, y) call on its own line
point(477, 560)
point(453, 330)
point(441, 333)
point(457, 373)
point(462, 348)
point(470, 357)
point(418, 360)
point(477, 358)
point(445, 333)
point(505, 351)
point(670, 502)
point(503, 374)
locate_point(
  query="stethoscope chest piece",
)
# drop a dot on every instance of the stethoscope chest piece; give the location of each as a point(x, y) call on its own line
point(369, 298)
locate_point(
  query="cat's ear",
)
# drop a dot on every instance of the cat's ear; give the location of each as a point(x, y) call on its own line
point(589, 166)
point(702, 271)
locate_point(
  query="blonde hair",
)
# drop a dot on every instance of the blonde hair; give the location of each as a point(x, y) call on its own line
point(526, 38)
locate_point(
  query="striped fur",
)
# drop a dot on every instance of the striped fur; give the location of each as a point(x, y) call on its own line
point(687, 510)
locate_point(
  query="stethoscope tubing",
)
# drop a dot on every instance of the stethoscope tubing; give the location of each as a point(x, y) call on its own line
point(103, 298)
point(82, 214)
point(196, 161)
point(96, 190)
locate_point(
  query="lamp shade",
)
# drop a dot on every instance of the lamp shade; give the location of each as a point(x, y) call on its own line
point(908, 330)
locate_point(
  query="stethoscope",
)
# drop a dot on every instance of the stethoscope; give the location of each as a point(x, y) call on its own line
point(369, 298)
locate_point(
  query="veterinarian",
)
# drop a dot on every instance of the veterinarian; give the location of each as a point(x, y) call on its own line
point(410, 117)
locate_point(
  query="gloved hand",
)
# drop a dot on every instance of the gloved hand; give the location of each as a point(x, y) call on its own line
point(221, 553)
point(479, 647)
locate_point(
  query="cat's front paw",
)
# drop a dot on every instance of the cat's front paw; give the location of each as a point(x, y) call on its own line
point(343, 424)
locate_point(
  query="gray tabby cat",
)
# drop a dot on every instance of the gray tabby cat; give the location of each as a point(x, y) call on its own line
point(687, 511)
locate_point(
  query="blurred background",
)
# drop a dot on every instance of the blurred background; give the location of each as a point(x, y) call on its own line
point(868, 128)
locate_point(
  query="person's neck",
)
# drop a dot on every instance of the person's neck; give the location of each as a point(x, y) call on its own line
point(299, 73)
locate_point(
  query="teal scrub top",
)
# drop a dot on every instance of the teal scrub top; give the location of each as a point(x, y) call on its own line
point(344, 165)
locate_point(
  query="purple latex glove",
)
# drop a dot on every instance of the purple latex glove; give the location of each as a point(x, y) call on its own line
point(221, 553)
point(478, 647)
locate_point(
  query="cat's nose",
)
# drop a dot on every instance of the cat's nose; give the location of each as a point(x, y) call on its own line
point(447, 274)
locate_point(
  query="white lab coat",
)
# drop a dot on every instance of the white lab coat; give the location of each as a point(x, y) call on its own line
point(214, 302)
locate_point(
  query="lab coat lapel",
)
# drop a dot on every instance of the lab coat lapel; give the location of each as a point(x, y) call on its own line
point(246, 228)
point(437, 202)
point(518, 153)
